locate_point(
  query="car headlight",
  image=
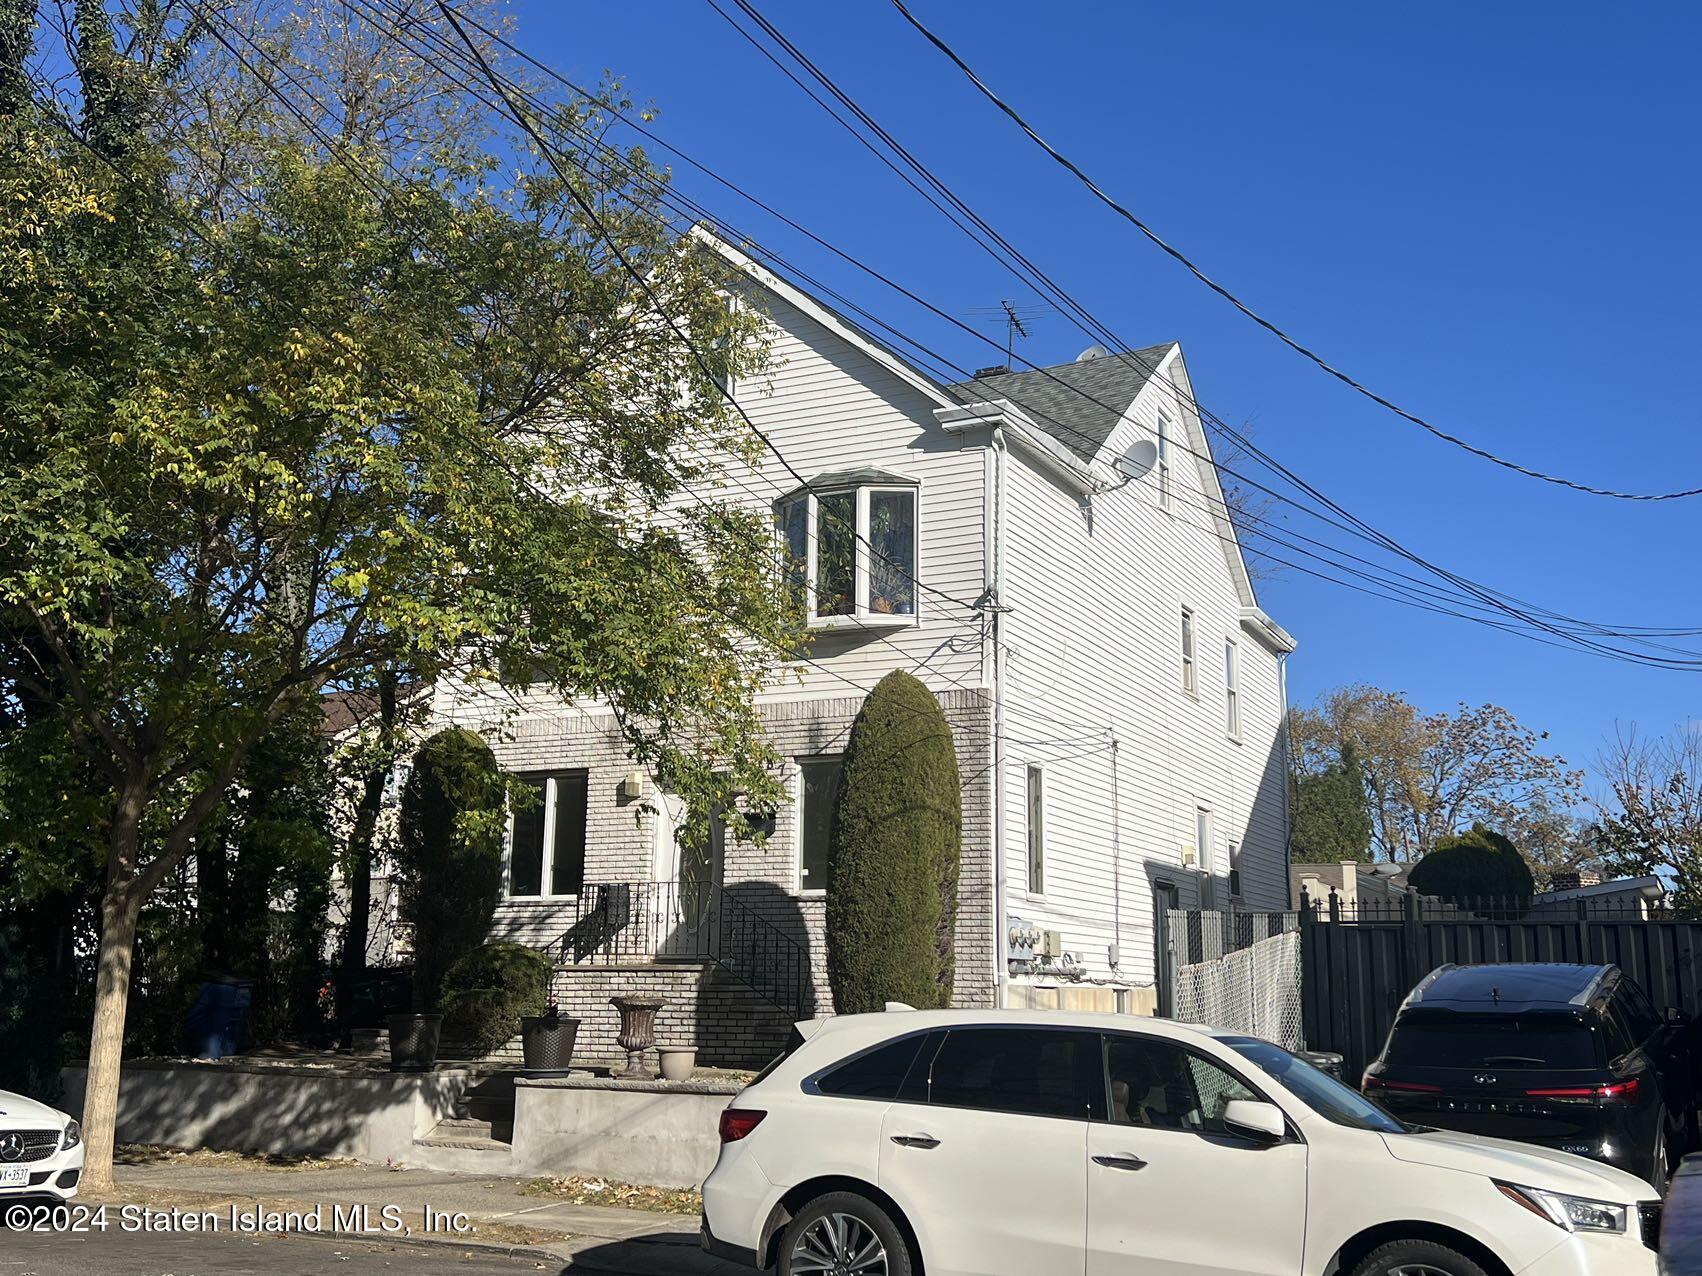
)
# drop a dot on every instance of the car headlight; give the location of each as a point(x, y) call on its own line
point(73, 1136)
point(1574, 1213)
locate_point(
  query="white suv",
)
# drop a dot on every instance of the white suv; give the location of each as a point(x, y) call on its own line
point(1011, 1144)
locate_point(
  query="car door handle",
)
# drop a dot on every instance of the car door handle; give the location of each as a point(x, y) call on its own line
point(916, 1140)
point(1120, 1162)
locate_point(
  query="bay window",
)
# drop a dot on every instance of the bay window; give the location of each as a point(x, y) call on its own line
point(850, 546)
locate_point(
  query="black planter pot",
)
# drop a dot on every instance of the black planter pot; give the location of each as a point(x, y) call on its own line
point(413, 1042)
point(546, 1044)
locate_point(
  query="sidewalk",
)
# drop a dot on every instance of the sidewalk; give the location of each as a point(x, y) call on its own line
point(582, 1237)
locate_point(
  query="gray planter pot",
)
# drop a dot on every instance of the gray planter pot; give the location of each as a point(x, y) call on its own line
point(546, 1044)
point(413, 1042)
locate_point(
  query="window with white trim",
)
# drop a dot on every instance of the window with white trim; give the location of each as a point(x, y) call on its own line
point(1163, 461)
point(1206, 855)
point(1036, 831)
point(851, 552)
point(1235, 870)
point(1231, 689)
point(1190, 674)
point(546, 841)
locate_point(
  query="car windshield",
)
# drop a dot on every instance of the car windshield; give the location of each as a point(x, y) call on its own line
point(1319, 1091)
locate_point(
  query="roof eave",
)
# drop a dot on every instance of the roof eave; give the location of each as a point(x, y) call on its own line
point(1087, 479)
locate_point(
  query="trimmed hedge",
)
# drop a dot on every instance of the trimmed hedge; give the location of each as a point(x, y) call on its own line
point(897, 838)
point(487, 991)
point(449, 853)
point(1476, 864)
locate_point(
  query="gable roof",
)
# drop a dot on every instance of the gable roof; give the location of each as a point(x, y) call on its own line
point(1079, 404)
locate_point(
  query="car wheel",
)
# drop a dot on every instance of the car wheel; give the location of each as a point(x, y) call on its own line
point(1416, 1258)
point(843, 1234)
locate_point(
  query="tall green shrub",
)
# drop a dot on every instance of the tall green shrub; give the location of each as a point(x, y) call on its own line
point(1472, 865)
point(449, 853)
point(896, 840)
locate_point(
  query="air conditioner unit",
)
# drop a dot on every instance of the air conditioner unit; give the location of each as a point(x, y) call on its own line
point(1190, 856)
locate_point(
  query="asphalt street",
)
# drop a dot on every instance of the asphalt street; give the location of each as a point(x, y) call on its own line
point(223, 1254)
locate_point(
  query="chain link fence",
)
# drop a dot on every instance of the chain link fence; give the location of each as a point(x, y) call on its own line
point(1238, 971)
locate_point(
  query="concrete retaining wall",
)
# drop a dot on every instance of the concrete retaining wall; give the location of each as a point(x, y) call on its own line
point(647, 1132)
point(364, 1113)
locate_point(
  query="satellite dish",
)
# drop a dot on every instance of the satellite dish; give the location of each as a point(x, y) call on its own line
point(1138, 461)
point(1093, 352)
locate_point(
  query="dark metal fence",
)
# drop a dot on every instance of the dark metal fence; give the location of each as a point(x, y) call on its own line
point(1359, 963)
point(620, 923)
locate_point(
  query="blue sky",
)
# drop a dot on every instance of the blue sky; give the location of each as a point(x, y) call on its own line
point(1486, 212)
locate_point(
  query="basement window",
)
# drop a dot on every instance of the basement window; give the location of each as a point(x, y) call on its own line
point(850, 547)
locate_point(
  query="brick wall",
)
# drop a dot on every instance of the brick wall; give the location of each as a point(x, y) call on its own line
point(725, 1019)
point(729, 1024)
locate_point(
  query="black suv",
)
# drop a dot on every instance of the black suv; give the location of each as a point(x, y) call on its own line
point(1568, 1057)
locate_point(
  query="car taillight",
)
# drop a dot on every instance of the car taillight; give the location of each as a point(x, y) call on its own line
point(738, 1122)
point(1613, 1092)
point(1369, 1082)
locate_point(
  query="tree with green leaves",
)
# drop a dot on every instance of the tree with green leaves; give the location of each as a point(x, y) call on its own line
point(1475, 865)
point(893, 853)
point(345, 406)
point(1331, 821)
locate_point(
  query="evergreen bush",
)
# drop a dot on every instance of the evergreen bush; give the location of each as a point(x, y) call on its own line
point(487, 991)
point(896, 841)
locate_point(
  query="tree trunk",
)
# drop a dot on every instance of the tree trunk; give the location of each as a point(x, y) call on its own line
point(120, 910)
point(121, 907)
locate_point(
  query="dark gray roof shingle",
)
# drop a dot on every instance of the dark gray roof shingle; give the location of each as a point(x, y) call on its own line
point(1079, 404)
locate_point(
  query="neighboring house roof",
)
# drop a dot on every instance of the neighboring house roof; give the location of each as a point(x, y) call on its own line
point(1080, 403)
point(342, 710)
point(1649, 887)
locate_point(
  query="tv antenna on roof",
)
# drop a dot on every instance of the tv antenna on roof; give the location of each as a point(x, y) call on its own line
point(1013, 328)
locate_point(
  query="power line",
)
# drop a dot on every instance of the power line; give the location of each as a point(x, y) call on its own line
point(1254, 315)
point(1205, 415)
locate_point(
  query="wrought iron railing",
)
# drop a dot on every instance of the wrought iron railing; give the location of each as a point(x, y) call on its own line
point(619, 922)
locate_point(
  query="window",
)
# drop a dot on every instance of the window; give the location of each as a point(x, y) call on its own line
point(1639, 1011)
point(547, 838)
point(1163, 461)
point(875, 1074)
point(1190, 679)
point(1160, 1084)
point(851, 553)
point(1036, 832)
point(1235, 870)
point(1319, 1091)
point(1449, 1040)
point(818, 786)
point(1205, 850)
point(1231, 690)
point(1029, 1071)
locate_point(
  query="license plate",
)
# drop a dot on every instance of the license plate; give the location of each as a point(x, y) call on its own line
point(14, 1175)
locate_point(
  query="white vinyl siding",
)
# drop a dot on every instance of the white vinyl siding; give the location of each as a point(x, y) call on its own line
point(1094, 625)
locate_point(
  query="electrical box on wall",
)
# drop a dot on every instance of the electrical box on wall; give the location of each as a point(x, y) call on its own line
point(1051, 945)
point(1021, 939)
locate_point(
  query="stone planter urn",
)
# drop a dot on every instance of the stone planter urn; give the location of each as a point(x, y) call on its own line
point(637, 1034)
point(677, 1062)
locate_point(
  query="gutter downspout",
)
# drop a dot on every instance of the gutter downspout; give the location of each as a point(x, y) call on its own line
point(996, 581)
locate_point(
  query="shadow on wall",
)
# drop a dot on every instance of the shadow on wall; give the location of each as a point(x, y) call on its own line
point(765, 941)
point(368, 1114)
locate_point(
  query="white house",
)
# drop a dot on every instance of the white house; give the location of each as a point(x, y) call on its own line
point(1115, 690)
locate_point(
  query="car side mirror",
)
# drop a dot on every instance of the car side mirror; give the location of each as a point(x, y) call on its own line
point(1255, 1119)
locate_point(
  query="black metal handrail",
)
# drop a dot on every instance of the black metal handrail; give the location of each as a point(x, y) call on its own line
point(619, 922)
